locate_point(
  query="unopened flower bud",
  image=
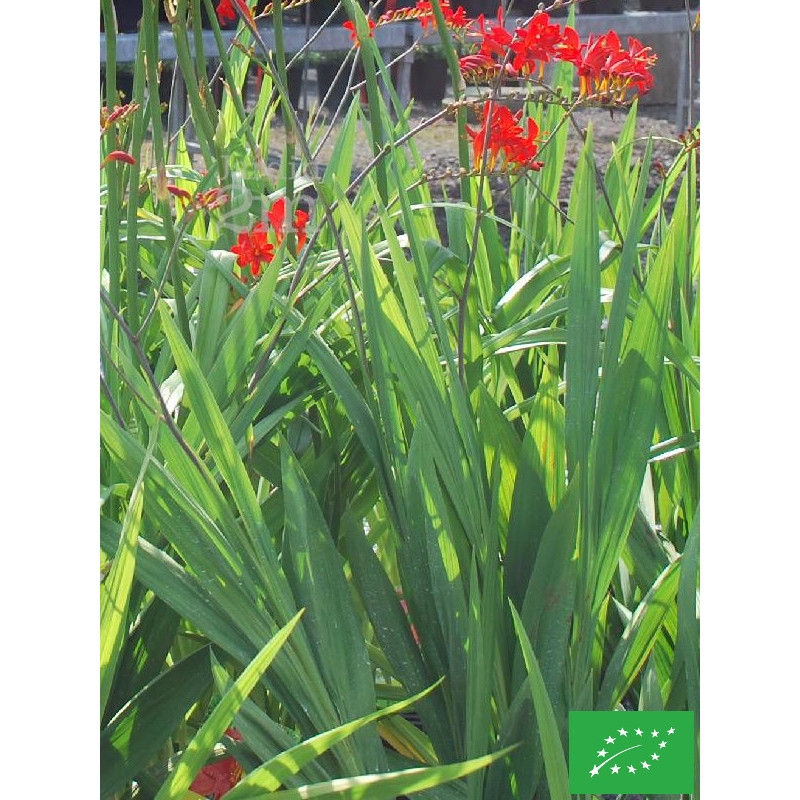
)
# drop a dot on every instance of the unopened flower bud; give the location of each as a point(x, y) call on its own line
point(118, 155)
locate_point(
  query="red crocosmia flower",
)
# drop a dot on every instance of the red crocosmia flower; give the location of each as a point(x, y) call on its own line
point(494, 46)
point(521, 150)
point(641, 54)
point(495, 39)
point(607, 70)
point(642, 84)
point(641, 58)
point(570, 48)
point(424, 13)
point(118, 155)
point(457, 19)
point(593, 63)
point(505, 137)
point(300, 220)
point(502, 130)
point(536, 44)
point(276, 215)
point(480, 141)
point(351, 26)
point(453, 19)
point(586, 58)
point(225, 11)
point(253, 249)
point(217, 779)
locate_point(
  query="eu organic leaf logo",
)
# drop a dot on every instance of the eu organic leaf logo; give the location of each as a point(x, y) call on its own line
point(636, 751)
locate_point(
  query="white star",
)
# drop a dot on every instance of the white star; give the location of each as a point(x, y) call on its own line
point(631, 768)
point(623, 732)
point(663, 744)
point(645, 765)
point(615, 769)
point(638, 731)
point(601, 753)
point(655, 733)
point(671, 730)
point(609, 740)
point(654, 757)
point(594, 772)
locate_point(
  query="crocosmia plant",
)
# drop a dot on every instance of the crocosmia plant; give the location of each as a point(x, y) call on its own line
point(399, 405)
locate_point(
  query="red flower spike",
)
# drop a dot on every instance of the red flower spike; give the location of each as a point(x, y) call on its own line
point(496, 42)
point(423, 11)
point(117, 114)
point(606, 70)
point(213, 198)
point(481, 67)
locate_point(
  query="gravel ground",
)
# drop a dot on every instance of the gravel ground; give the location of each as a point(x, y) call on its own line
point(437, 146)
point(437, 143)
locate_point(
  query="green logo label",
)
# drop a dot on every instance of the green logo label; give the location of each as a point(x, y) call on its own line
point(631, 752)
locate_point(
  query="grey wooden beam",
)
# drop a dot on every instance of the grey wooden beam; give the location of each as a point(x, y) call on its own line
point(396, 38)
point(393, 37)
point(332, 39)
point(631, 23)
